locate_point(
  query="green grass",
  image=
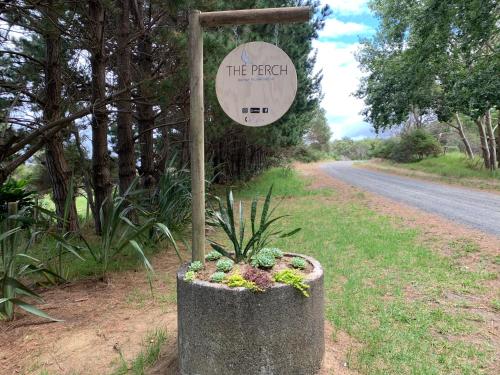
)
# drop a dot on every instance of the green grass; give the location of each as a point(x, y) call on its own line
point(146, 358)
point(453, 164)
point(381, 284)
point(285, 181)
point(80, 201)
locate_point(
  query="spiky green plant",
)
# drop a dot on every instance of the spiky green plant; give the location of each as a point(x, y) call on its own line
point(261, 230)
point(17, 264)
point(120, 233)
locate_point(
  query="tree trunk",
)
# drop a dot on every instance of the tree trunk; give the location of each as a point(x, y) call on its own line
point(87, 185)
point(144, 104)
point(484, 144)
point(126, 157)
point(491, 140)
point(56, 163)
point(498, 137)
point(101, 176)
point(460, 128)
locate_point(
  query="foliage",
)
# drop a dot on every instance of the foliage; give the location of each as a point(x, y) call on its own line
point(259, 277)
point(319, 133)
point(213, 255)
point(299, 263)
point(15, 191)
point(261, 230)
point(292, 278)
point(190, 276)
point(277, 253)
point(237, 281)
point(307, 154)
point(413, 145)
point(120, 233)
point(263, 260)
point(16, 265)
point(350, 149)
point(171, 203)
point(195, 266)
point(224, 265)
point(217, 277)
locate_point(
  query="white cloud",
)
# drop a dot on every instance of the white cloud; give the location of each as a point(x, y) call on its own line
point(335, 28)
point(347, 7)
point(341, 77)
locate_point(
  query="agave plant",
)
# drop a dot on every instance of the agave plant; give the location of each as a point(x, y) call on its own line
point(243, 249)
point(17, 265)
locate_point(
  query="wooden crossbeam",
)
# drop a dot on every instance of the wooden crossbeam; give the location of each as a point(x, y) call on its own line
point(255, 16)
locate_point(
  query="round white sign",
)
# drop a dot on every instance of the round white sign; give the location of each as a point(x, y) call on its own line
point(256, 84)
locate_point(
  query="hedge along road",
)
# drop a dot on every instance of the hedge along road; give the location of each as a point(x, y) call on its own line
point(473, 208)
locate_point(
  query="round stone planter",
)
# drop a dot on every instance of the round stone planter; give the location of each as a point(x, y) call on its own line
point(234, 331)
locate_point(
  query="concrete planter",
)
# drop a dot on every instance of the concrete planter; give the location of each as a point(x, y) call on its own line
point(225, 331)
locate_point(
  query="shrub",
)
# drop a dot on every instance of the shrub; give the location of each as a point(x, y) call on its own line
point(298, 262)
point(190, 276)
point(224, 265)
point(195, 266)
point(259, 277)
point(292, 278)
point(213, 255)
point(217, 277)
point(238, 281)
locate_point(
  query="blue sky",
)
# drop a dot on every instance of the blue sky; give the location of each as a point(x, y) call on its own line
point(336, 46)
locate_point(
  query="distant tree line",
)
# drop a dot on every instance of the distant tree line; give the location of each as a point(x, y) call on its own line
point(117, 72)
point(435, 60)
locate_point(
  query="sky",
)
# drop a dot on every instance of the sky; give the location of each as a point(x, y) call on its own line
point(336, 46)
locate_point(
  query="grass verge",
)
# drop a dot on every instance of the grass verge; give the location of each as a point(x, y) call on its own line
point(452, 168)
point(382, 284)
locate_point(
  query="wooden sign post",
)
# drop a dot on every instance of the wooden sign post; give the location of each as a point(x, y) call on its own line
point(198, 20)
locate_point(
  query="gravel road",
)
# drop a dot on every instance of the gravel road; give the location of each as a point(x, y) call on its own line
point(476, 209)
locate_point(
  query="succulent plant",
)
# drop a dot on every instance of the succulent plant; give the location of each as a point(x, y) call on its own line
point(263, 260)
point(276, 252)
point(195, 266)
point(236, 281)
point(261, 278)
point(293, 278)
point(213, 255)
point(217, 277)
point(298, 262)
point(224, 265)
point(190, 276)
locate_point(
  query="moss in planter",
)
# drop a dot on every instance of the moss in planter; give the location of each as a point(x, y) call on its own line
point(213, 255)
point(217, 277)
point(195, 266)
point(224, 265)
point(259, 277)
point(236, 280)
point(190, 276)
point(299, 263)
point(293, 278)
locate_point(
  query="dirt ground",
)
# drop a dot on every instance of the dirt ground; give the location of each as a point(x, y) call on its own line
point(106, 321)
